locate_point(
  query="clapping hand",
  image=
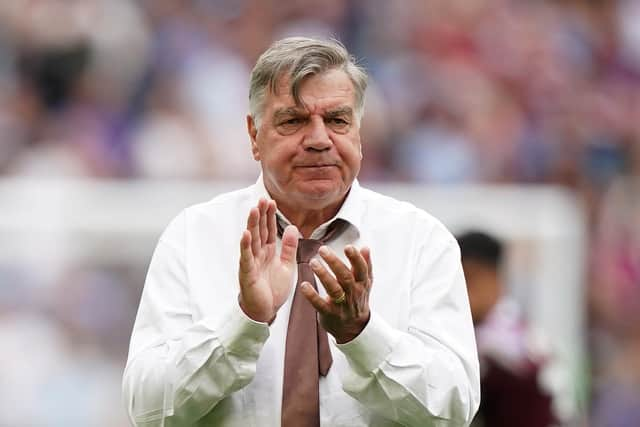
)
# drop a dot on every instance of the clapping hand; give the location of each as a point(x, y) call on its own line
point(265, 277)
point(345, 311)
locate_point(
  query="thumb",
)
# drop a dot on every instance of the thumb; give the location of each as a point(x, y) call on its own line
point(289, 244)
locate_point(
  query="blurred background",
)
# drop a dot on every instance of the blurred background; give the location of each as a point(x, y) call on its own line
point(520, 117)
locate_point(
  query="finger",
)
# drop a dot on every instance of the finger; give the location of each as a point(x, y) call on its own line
point(272, 227)
point(329, 283)
point(366, 254)
point(262, 207)
point(246, 255)
point(359, 266)
point(320, 304)
point(289, 244)
point(252, 226)
point(340, 270)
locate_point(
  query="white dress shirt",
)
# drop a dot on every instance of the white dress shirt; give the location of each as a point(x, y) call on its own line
point(196, 359)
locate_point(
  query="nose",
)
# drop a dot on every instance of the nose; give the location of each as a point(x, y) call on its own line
point(317, 137)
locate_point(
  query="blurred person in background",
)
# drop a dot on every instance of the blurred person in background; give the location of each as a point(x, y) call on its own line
point(511, 357)
point(215, 324)
point(75, 66)
point(615, 299)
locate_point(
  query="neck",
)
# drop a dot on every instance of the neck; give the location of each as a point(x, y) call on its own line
point(307, 220)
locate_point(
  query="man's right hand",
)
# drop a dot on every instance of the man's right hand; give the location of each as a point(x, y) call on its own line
point(265, 277)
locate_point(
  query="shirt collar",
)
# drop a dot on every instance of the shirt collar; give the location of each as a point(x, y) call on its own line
point(350, 211)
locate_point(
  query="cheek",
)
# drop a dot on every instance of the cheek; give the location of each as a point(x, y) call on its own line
point(351, 153)
point(274, 150)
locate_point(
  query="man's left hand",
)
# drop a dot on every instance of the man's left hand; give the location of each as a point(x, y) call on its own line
point(345, 311)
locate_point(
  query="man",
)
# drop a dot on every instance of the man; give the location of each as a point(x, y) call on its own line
point(218, 338)
point(511, 356)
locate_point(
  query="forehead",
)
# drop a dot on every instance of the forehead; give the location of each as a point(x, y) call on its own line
point(330, 89)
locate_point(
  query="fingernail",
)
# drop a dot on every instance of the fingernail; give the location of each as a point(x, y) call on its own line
point(323, 250)
point(314, 263)
point(349, 249)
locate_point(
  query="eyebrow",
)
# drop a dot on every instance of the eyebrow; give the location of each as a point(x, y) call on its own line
point(287, 112)
point(341, 111)
point(293, 111)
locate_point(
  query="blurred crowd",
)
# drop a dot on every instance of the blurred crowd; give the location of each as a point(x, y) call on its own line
point(462, 91)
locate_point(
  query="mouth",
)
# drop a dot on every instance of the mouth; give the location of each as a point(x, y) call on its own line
point(320, 171)
point(316, 165)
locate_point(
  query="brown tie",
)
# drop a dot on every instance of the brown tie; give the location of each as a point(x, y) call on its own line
point(307, 353)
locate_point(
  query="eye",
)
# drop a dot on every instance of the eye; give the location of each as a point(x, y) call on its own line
point(289, 125)
point(292, 121)
point(338, 124)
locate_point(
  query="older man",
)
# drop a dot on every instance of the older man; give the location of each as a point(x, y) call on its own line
point(230, 337)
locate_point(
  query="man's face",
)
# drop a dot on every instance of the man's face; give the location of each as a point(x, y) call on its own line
point(483, 286)
point(310, 154)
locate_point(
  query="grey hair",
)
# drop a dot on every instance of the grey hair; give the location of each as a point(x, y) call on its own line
point(299, 58)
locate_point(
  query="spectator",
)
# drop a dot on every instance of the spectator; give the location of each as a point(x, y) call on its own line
point(510, 362)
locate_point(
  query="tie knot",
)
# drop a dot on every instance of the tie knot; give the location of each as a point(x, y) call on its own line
point(307, 249)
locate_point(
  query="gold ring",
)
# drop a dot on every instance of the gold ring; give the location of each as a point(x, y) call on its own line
point(340, 299)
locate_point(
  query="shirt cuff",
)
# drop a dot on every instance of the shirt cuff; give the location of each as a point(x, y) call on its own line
point(242, 335)
point(371, 348)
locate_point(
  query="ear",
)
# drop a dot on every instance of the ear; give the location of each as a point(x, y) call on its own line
point(253, 133)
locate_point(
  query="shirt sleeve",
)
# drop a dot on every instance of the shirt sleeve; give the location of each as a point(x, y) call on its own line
point(177, 369)
point(429, 373)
